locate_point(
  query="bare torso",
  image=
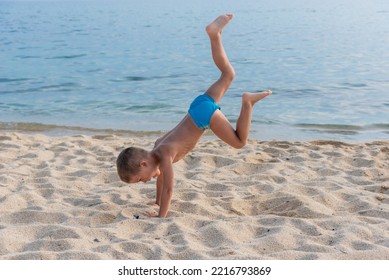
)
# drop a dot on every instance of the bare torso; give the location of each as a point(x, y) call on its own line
point(179, 141)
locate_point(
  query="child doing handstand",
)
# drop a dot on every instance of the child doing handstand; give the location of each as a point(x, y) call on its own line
point(137, 165)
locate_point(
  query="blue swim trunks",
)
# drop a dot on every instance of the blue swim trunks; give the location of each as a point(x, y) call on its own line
point(202, 109)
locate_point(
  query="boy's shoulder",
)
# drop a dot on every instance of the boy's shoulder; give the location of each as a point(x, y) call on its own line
point(163, 151)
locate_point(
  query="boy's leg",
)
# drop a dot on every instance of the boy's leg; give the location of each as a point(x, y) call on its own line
point(223, 129)
point(219, 123)
point(214, 30)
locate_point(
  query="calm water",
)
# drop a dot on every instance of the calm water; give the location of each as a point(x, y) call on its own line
point(136, 65)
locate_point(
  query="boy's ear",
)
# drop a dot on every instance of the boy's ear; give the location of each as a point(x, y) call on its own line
point(143, 163)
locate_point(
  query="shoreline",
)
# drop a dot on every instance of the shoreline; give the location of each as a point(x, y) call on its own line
point(298, 133)
point(62, 130)
point(62, 199)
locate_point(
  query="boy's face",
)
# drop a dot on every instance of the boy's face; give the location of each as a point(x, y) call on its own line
point(146, 173)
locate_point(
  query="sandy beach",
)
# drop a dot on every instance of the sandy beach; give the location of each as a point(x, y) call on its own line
point(60, 198)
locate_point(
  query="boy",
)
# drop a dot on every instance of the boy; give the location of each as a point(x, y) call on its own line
point(137, 165)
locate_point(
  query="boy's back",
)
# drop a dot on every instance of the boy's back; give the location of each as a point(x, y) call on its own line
point(179, 141)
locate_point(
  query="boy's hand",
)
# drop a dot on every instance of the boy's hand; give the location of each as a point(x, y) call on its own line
point(151, 214)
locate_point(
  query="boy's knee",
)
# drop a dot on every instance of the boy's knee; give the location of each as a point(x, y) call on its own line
point(239, 145)
point(229, 75)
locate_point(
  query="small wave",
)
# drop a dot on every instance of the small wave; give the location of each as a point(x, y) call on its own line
point(143, 78)
point(330, 126)
point(6, 80)
point(345, 126)
point(343, 129)
point(147, 108)
point(136, 78)
point(59, 87)
point(355, 85)
point(383, 126)
point(27, 56)
point(67, 56)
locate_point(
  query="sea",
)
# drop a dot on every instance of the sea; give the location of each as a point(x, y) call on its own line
point(135, 66)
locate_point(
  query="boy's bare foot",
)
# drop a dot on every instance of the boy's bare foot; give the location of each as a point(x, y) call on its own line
point(218, 24)
point(252, 98)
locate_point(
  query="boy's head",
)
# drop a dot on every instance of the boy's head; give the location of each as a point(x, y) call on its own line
point(136, 165)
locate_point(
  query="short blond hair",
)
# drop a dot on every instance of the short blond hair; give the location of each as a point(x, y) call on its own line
point(128, 162)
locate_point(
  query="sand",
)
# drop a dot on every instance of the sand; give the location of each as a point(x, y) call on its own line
point(60, 198)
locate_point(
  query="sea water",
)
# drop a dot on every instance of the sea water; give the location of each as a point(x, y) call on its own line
point(136, 65)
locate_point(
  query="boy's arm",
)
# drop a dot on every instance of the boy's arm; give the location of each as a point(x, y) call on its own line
point(167, 190)
point(159, 189)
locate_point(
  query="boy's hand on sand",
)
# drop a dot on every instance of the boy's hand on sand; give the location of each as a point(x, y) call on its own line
point(151, 214)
